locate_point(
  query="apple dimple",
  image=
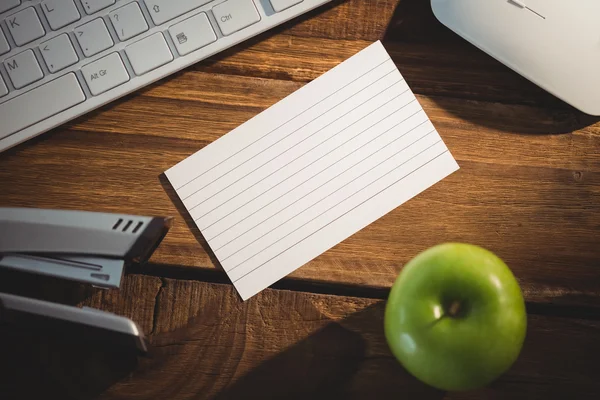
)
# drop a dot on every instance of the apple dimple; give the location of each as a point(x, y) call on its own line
point(456, 309)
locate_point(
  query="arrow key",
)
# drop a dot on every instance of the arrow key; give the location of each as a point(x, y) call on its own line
point(58, 53)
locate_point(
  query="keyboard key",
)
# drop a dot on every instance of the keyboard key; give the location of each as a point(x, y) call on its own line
point(40, 103)
point(23, 69)
point(92, 6)
point(93, 37)
point(60, 13)
point(128, 21)
point(234, 15)
point(58, 53)
point(25, 26)
point(162, 11)
point(105, 74)
point(6, 5)
point(148, 54)
point(3, 88)
point(4, 46)
point(280, 5)
point(192, 34)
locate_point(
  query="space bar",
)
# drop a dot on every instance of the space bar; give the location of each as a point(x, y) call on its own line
point(40, 103)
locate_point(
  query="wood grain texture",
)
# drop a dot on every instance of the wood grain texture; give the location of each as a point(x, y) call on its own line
point(528, 187)
point(285, 344)
point(206, 343)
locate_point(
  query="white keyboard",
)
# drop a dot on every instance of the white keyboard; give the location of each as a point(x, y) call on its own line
point(60, 59)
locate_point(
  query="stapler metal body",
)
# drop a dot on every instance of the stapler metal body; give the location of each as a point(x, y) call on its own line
point(83, 246)
point(80, 323)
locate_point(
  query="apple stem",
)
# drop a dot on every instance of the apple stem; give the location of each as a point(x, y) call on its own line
point(454, 308)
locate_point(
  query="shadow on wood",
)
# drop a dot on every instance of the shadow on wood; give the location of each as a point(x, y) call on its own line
point(279, 344)
point(36, 365)
point(328, 361)
point(332, 363)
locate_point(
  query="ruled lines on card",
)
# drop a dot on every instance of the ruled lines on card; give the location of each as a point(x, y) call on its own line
point(377, 85)
point(312, 170)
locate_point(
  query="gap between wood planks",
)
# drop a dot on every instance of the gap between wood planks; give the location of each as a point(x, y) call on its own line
point(162, 271)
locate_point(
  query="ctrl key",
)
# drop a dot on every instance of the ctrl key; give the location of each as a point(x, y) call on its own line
point(105, 74)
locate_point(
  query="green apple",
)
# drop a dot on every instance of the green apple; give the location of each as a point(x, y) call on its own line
point(455, 317)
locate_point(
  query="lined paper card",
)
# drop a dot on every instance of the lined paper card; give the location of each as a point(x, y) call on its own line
point(312, 170)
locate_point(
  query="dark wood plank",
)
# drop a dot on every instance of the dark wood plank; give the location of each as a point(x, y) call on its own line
point(282, 344)
point(206, 343)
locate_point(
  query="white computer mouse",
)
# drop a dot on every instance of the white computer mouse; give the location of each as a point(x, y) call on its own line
point(553, 43)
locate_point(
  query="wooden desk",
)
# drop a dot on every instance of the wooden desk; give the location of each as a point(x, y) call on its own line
point(528, 189)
